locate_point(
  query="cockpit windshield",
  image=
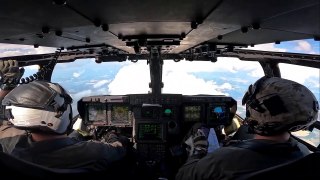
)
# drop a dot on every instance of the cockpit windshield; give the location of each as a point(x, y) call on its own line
point(227, 76)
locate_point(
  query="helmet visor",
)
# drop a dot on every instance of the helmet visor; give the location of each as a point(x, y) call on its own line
point(25, 117)
point(37, 96)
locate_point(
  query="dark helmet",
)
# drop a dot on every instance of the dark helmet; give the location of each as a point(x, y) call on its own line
point(275, 105)
point(39, 106)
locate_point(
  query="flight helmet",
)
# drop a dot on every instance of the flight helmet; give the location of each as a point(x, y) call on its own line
point(39, 106)
point(275, 105)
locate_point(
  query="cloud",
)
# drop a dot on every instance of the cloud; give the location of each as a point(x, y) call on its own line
point(17, 50)
point(301, 133)
point(180, 78)
point(188, 84)
point(222, 65)
point(267, 47)
point(10, 53)
point(256, 72)
point(101, 90)
point(177, 78)
point(32, 67)
point(100, 83)
point(132, 78)
point(226, 86)
point(235, 79)
point(79, 95)
point(315, 83)
point(44, 50)
point(312, 137)
point(304, 46)
point(241, 110)
point(76, 75)
point(298, 73)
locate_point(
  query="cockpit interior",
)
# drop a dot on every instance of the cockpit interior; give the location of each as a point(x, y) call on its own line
point(158, 123)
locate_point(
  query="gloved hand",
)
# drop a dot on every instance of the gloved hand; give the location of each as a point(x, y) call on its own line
point(112, 137)
point(197, 144)
point(10, 74)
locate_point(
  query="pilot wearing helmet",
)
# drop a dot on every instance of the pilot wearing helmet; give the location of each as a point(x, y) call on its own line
point(43, 109)
point(274, 108)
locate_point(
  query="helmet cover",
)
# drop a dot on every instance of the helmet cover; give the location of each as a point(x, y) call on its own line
point(275, 105)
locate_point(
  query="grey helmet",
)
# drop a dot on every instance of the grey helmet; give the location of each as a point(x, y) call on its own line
point(39, 106)
point(275, 105)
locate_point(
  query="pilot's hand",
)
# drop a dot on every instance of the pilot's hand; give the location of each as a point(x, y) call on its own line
point(125, 141)
point(197, 144)
point(10, 74)
point(112, 137)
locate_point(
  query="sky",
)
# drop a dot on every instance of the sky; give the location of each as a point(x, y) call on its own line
point(227, 76)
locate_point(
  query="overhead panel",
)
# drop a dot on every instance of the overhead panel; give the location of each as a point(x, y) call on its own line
point(128, 11)
point(305, 21)
point(246, 12)
point(129, 32)
point(253, 37)
point(276, 20)
point(29, 16)
point(185, 22)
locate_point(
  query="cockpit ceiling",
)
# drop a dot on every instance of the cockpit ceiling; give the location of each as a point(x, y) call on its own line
point(186, 22)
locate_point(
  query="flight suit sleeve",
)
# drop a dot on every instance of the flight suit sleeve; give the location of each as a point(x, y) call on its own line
point(9, 137)
point(114, 148)
point(187, 171)
point(115, 151)
point(204, 168)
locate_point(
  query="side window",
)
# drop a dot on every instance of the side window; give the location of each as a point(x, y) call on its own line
point(312, 137)
point(85, 77)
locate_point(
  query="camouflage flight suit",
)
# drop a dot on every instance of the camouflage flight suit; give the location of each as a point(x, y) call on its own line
point(9, 136)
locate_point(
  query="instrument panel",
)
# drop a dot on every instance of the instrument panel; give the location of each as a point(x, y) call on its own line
point(156, 123)
point(165, 114)
point(105, 111)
